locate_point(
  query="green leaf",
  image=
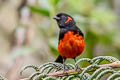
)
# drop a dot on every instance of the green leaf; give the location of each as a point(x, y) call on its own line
point(39, 76)
point(103, 15)
point(2, 78)
point(104, 73)
point(29, 66)
point(42, 11)
point(50, 78)
point(86, 76)
point(82, 6)
point(56, 2)
point(113, 76)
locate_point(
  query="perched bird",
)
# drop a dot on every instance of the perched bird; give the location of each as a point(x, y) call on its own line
point(71, 40)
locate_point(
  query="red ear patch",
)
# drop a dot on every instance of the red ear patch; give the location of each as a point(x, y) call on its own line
point(69, 19)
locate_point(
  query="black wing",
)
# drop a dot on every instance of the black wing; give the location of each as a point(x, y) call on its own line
point(60, 59)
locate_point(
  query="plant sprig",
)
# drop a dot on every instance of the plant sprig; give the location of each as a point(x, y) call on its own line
point(54, 71)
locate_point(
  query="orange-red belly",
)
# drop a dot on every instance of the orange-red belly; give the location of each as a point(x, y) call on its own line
point(71, 45)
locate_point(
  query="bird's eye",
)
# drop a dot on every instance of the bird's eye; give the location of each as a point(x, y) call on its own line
point(68, 19)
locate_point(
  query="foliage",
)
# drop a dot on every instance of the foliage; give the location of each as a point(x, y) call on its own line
point(96, 19)
point(91, 72)
point(2, 78)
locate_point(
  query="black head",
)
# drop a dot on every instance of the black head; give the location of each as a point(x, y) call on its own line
point(64, 20)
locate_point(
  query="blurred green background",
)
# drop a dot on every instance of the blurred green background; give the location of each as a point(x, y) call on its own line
point(29, 35)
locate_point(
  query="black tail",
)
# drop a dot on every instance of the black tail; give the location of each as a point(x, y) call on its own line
point(59, 59)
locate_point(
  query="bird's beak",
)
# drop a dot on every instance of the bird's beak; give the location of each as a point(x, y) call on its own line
point(56, 18)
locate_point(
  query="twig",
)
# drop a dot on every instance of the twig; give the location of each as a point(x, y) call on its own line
point(59, 73)
point(72, 71)
point(62, 73)
point(115, 64)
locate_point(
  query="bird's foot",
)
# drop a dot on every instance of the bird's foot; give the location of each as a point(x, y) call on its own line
point(77, 68)
point(65, 71)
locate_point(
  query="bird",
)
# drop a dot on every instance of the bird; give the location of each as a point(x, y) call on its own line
point(71, 39)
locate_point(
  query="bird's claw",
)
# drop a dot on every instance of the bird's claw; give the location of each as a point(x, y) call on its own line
point(77, 68)
point(65, 71)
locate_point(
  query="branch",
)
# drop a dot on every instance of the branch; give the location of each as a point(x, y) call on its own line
point(115, 64)
point(61, 73)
